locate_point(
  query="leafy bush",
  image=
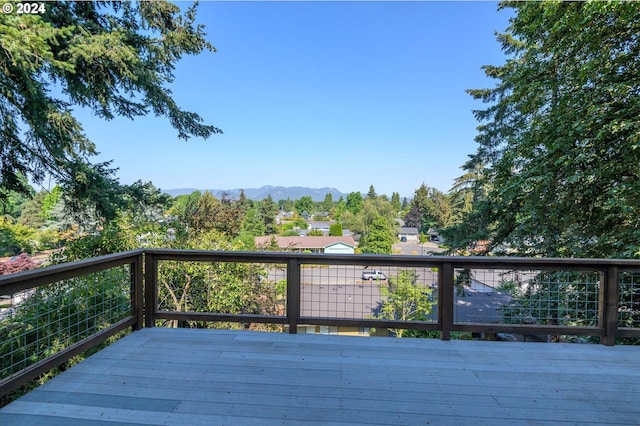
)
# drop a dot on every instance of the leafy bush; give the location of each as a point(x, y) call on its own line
point(15, 238)
point(18, 264)
point(54, 317)
point(335, 230)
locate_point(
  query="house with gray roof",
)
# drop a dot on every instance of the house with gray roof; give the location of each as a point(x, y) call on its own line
point(408, 233)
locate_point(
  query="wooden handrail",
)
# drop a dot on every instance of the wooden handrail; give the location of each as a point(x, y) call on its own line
point(144, 294)
point(607, 330)
point(27, 280)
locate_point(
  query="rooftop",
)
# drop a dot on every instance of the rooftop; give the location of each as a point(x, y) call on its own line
point(306, 242)
point(205, 377)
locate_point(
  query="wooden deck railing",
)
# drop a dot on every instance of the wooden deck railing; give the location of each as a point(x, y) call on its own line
point(41, 359)
point(146, 309)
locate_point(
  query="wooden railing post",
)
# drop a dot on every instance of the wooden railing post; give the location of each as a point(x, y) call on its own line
point(137, 292)
point(150, 289)
point(293, 295)
point(608, 305)
point(445, 300)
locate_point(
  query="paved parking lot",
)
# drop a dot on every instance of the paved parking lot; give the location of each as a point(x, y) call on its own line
point(414, 248)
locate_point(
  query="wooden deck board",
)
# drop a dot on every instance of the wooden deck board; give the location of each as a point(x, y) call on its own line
point(192, 377)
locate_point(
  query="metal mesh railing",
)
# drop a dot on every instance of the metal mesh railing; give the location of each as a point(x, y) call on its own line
point(41, 322)
point(563, 298)
point(629, 300)
point(221, 288)
point(368, 292)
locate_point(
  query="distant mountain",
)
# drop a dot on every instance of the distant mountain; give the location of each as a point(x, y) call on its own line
point(277, 192)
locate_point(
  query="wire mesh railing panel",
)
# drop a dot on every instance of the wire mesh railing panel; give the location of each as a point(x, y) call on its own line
point(221, 288)
point(629, 300)
point(562, 298)
point(38, 323)
point(368, 292)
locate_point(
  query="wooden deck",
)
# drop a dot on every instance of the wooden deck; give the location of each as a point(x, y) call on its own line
point(202, 377)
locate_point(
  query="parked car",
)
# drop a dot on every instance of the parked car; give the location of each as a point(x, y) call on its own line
point(372, 274)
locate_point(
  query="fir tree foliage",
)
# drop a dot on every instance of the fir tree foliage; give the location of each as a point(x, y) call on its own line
point(560, 136)
point(114, 58)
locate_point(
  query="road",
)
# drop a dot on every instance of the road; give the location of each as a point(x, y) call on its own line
point(338, 291)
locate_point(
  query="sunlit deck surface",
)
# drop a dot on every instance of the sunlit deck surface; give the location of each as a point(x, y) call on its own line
point(204, 377)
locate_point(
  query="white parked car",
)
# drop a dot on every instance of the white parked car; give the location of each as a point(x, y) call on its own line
point(372, 274)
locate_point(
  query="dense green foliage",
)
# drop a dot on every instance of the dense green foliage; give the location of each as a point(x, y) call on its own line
point(395, 201)
point(221, 287)
point(379, 238)
point(557, 161)
point(429, 209)
point(335, 230)
point(554, 298)
point(372, 192)
point(354, 202)
point(56, 316)
point(115, 58)
point(327, 204)
point(268, 210)
point(404, 300)
point(304, 205)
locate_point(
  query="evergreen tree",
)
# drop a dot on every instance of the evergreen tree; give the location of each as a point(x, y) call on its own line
point(114, 58)
point(413, 218)
point(560, 136)
point(379, 238)
point(327, 204)
point(372, 193)
point(268, 210)
point(252, 226)
point(354, 202)
point(341, 207)
point(335, 230)
point(32, 211)
point(395, 201)
point(305, 205)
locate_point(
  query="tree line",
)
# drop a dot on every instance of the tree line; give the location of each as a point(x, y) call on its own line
point(145, 216)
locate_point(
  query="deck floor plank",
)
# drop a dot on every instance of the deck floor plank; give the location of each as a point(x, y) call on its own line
point(205, 377)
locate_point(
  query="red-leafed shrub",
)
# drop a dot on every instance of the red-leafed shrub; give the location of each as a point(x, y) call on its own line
point(20, 263)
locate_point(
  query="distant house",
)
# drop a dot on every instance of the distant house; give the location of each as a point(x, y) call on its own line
point(282, 215)
point(434, 235)
point(325, 244)
point(408, 233)
point(320, 226)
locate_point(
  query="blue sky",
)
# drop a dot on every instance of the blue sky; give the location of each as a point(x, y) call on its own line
point(336, 94)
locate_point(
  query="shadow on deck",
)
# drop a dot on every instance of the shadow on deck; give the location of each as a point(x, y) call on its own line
point(205, 377)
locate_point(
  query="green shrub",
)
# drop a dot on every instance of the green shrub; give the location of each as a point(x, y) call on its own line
point(58, 315)
point(335, 230)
